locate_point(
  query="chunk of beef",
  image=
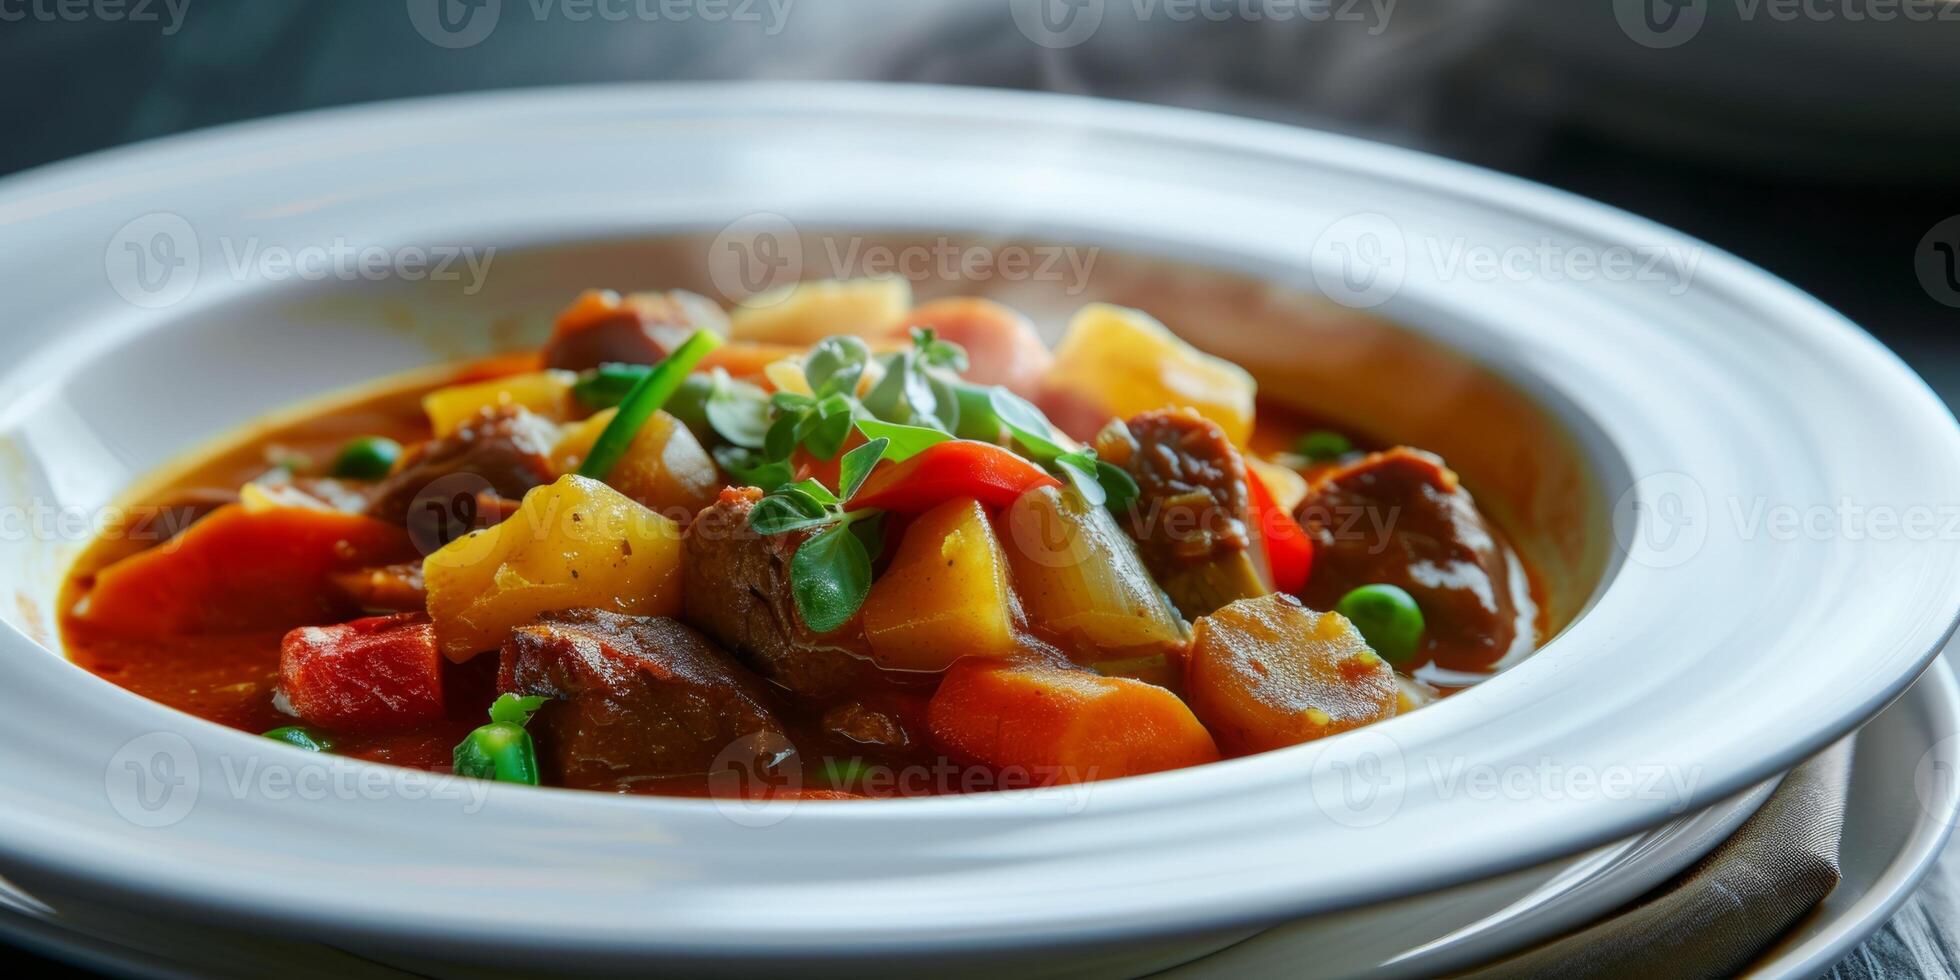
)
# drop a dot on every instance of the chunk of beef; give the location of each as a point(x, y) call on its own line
point(447, 487)
point(1401, 518)
point(635, 698)
point(1189, 519)
point(736, 588)
point(601, 328)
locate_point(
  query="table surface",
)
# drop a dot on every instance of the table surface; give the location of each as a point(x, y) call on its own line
point(1848, 239)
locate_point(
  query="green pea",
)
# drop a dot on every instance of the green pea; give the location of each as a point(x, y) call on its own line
point(501, 751)
point(1324, 444)
point(1388, 619)
point(305, 738)
point(366, 458)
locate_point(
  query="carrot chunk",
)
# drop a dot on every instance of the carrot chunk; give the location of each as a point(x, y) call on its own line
point(371, 675)
point(243, 568)
point(1057, 725)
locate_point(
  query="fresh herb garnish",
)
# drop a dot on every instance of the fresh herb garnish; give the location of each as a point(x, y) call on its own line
point(904, 441)
point(910, 393)
point(830, 574)
point(736, 410)
point(1100, 483)
point(835, 364)
point(648, 394)
point(751, 468)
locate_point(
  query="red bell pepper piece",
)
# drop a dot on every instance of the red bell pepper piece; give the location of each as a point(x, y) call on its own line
point(949, 470)
point(370, 675)
point(1289, 551)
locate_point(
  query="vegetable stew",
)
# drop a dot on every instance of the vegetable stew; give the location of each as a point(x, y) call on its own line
point(825, 545)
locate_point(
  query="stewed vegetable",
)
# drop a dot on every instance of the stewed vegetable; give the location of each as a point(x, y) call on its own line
point(827, 545)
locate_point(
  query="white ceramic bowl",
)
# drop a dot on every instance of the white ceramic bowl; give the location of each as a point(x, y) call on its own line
point(1708, 400)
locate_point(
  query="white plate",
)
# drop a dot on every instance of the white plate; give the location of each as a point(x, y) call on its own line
point(1898, 817)
point(1720, 650)
point(1899, 813)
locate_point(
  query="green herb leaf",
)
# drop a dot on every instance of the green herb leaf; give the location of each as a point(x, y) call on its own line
point(857, 465)
point(781, 513)
point(827, 434)
point(1080, 470)
point(1117, 483)
point(977, 419)
point(869, 526)
point(511, 709)
point(738, 411)
point(750, 469)
point(938, 353)
point(902, 441)
point(781, 440)
point(835, 364)
point(790, 401)
point(645, 399)
point(1031, 428)
point(829, 576)
point(814, 490)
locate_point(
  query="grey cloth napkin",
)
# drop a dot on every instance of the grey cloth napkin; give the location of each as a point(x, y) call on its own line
point(1718, 916)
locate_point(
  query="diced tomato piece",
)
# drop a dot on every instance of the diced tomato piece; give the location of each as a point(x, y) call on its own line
point(1289, 551)
point(370, 675)
point(948, 470)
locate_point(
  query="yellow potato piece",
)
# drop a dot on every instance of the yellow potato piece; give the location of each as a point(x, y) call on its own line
point(543, 393)
point(574, 544)
point(1268, 672)
point(1124, 362)
point(665, 468)
point(803, 313)
point(946, 594)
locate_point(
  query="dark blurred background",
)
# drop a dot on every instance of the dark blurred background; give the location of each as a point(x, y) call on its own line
point(1819, 139)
